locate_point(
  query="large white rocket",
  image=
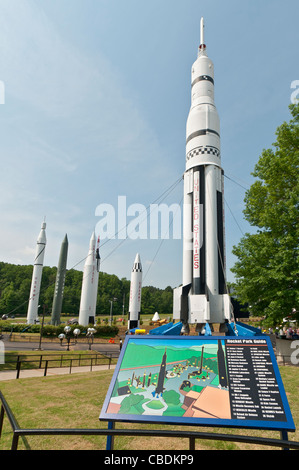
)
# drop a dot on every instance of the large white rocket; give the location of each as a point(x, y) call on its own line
point(90, 282)
point(135, 294)
point(32, 313)
point(203, 297)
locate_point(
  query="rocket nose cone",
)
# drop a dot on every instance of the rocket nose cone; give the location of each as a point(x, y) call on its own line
point(42, 234)
point(92, 241)
point(92, 238)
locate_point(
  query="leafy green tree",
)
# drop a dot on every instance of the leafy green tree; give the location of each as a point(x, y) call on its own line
point(15, 283)
point(267, 267)
point(9, 299)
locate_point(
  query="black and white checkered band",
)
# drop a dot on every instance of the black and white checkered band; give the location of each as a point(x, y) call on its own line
point(137, 268)
point(204, 150)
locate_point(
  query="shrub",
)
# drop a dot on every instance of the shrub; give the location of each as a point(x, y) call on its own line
point(51, 330)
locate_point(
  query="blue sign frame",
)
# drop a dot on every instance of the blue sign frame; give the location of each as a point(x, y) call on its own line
point(220, 381)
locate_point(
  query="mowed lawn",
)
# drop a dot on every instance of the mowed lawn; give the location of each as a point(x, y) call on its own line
point(75, 401)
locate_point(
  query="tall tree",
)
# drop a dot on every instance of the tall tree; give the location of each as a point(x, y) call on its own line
point(267, 267)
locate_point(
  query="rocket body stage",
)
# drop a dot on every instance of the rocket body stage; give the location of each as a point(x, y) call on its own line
point(135, 294)
point(202, 297)
point(32, 313)
point(90, 282)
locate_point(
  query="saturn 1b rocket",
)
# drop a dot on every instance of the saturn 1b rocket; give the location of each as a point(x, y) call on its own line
point(202, 297)
point(90, 282)
point(135, 294)
point(32, 313)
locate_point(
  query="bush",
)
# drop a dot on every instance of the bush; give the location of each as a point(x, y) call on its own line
point(107, 330)
point(5, 325)
point(18, 328)
point(52, 331)
point(101, 331)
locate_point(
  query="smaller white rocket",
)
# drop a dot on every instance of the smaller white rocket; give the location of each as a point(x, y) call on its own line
point(90, 282)
point(135, 294)
point(32, 313)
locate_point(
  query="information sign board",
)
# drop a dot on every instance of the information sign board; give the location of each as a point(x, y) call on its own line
point(198, 380)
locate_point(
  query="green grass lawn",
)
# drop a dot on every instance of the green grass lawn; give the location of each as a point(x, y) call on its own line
point(75, 401)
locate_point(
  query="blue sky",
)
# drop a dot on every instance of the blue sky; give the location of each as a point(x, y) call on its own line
point(97, 94)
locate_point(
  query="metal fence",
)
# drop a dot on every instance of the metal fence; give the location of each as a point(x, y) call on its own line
point(45, 362)
point(19, 432)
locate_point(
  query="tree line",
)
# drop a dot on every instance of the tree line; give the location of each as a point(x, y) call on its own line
point(15, 282)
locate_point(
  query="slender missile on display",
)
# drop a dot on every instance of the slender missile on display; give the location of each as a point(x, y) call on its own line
point(161, 378)
point(203, 297)
point(59, 285)
point(90, 282)
point(135, 294)
point(32, 314)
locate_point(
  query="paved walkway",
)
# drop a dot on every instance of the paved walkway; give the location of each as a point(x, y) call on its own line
point(11, 374)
